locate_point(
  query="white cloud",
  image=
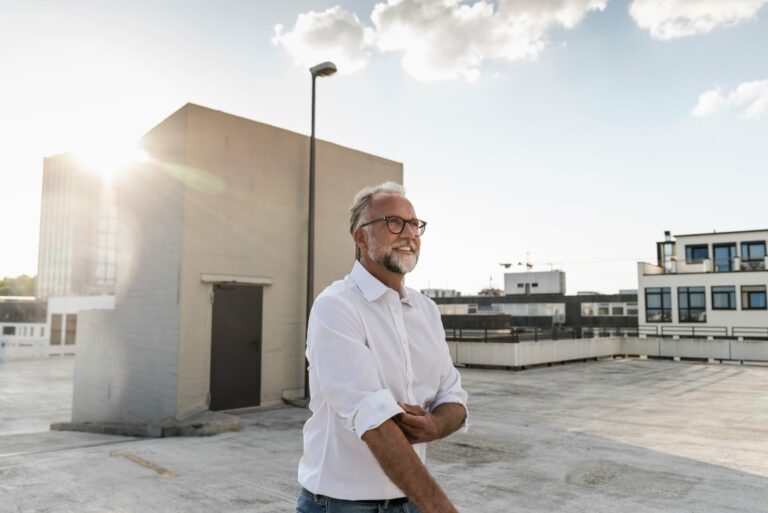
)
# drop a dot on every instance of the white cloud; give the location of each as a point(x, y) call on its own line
point(332, 35)
point(438, 39)
point(671, 19)
point(752, 97)
point(448, 39)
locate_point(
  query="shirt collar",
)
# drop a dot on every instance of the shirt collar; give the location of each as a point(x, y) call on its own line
point(371, 287)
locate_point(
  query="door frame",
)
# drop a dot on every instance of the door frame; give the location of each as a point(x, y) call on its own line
point(211, 279)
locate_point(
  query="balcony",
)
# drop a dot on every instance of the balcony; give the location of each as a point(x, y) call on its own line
point(754, 265)
point(707, 265)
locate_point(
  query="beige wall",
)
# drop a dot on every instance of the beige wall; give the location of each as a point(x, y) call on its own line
point(220, 195)
point(246, 215)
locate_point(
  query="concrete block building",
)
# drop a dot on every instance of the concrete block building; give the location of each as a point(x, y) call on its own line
point(527, 283)
point(211, 270)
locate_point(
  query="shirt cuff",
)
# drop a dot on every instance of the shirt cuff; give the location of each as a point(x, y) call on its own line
point(374, 410)
point(455, 400)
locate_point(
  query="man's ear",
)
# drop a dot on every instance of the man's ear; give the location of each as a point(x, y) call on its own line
point(359, 237)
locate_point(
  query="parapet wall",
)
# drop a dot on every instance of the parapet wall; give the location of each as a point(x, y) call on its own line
point(505, 354)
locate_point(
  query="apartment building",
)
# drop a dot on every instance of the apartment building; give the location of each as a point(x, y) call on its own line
point(22, 328)
point(706, 285)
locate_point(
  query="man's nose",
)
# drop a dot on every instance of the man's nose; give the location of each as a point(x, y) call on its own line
point(409, 231)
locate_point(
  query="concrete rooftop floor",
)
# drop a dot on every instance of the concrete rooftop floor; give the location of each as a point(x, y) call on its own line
point(614, 435)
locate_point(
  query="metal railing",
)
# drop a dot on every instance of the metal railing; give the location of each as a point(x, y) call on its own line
point(717, 332)
point(534, 334)
point(694, 331)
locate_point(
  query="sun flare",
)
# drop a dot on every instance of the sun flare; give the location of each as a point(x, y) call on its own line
point(108, 160)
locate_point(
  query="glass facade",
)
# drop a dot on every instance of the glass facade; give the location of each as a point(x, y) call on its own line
point(753, 297)
point(56, 329)
point(724, 255)
point(658, 304)
point(753, 251)
point(692, 304)
point(724, 298)
point(696, 253)
point(70, 336)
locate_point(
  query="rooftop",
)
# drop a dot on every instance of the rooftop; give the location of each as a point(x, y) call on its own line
point(719, 233)
point(635, 436)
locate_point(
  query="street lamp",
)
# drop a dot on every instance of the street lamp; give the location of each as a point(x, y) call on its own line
point(324, 69)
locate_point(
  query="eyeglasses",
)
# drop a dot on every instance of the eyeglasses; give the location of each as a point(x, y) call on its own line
point(396, 224)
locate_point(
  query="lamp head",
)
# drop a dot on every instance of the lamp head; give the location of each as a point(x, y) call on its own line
point(323, 69)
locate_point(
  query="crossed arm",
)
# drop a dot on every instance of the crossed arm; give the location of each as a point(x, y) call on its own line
point(390, 445)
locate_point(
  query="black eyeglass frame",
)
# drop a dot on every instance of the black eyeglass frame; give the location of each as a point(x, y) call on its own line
point(419, 229)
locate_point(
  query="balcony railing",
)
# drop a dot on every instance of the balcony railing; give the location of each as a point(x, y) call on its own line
point(533, 334)
point(707, 265)
point(734, 332)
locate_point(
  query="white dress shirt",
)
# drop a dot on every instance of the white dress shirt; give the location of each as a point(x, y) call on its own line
point(368, 347)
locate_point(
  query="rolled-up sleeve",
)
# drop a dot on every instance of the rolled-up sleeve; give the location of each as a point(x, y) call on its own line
point(450, 390)
point(343, 367)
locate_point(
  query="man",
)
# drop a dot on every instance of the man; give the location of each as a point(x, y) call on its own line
point(381, 379)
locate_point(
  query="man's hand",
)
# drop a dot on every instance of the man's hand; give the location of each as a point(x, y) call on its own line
point(417, 424)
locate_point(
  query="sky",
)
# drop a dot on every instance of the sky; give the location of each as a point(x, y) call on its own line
point(566, 133)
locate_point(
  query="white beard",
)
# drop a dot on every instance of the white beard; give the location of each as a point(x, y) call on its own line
point(394, 261)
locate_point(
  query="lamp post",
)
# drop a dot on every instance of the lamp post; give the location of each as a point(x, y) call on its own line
point(324, 69)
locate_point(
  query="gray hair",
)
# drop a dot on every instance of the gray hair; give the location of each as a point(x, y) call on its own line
point(362, 202)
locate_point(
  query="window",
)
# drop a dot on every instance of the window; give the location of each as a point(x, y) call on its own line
point(9, 330)
point(617, 309)
point(692, 304)
point(724, 255)
point(753, 297)
point(658, 304)
point(42, 331)
point(587, 309)
point(71, 333)
point(603, 309)
point(695, 253)
point(56, 329)
point(751, 251)
point(723, 298)
point(632, 309)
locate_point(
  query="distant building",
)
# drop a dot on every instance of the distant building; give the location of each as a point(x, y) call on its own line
point(527, 283)
point(706, 284)
point(22, 328)
point(441, 293)
point(78, 231)
point(589, 310)
point(61, 320)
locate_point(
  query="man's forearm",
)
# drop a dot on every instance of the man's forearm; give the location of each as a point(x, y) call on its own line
point(401, 464)
point(450, 416)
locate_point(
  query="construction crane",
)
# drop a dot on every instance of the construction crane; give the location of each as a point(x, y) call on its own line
point(528, 264)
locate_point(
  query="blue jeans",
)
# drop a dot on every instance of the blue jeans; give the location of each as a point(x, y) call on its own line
point(310, 503)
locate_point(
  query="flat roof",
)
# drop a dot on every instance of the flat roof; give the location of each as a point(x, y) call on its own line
point(617, 435)
point(719, 233)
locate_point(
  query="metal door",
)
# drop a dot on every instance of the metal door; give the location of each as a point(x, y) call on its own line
point(236, 347)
